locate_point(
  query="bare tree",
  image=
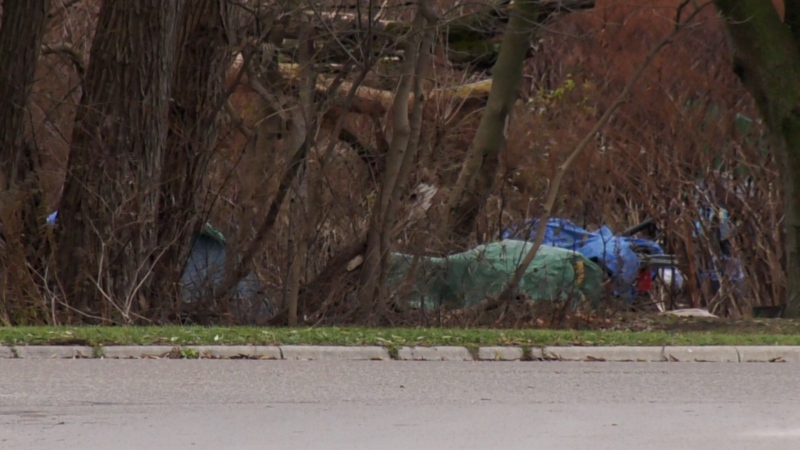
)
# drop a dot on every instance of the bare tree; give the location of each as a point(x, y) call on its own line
point(766, 57)
point(405, 137)
point(21, 33)
point(108, 240)
point(299, 234)
point(23, 25)
point(207, 34)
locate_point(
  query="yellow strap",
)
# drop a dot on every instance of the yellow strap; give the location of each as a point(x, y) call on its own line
point(579, 273)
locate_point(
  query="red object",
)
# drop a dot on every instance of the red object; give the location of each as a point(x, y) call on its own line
point(645, 281)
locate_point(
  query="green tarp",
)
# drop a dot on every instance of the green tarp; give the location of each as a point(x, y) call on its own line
point(464, 279)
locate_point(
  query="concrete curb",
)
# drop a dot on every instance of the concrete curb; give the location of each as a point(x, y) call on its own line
point(765, 353)
point(328, 353)
point(787, 354)
point(52, 351)
point(231, 351)
point(500, 353)
point(611, 354)
point(140, 351)
point(434, 354)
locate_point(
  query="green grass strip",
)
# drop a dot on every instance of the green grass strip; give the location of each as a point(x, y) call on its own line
point(387, 337)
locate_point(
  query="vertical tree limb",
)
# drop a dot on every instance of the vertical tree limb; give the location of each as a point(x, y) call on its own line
point(422, 66)
point(300, 229)
point(476, 179)
point(370, 297)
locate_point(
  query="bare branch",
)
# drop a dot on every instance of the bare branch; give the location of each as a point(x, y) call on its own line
point(237, 120)
point(370, 297)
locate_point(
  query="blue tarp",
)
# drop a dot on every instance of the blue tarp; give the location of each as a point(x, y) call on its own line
point(616, 254)
point(205, 270)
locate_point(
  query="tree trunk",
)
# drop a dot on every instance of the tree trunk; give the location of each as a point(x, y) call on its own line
point(198, 95)
point(371, 295)
point(766, 57)
point(476, 179)
point(21, 33)
point(791, 183)
point(391, 217)
point(791, 15)
point(298, 244)
point(20, 39)
point(108, 236)
point(301, 230)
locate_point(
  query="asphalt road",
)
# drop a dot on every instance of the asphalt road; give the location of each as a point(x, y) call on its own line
point(215, 404)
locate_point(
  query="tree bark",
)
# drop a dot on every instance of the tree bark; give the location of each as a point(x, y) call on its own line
point(300, 231)
point(20, 42)
point(198, 95)
point(766, 57)
point(371, 295)
point(792, 17)
point(391, 217)
point(476, 179)
point(108, 236)
point(23, 24)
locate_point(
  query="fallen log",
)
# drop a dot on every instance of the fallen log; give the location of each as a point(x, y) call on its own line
point(370, 100)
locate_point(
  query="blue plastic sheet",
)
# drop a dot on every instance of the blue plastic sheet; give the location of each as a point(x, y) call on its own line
point(205, 271)
point(616, 254)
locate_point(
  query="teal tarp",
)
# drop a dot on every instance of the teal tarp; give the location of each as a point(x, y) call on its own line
point(464, 279)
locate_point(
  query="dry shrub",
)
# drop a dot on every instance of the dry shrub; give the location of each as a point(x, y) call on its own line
point(684, 127)
point(677, 130)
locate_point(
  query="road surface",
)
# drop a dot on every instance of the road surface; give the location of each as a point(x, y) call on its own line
point(235, 404)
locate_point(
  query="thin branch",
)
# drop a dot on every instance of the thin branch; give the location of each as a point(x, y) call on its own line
point(237, 120)
point(271, 100)
point(344, 108)
point(369, 155)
